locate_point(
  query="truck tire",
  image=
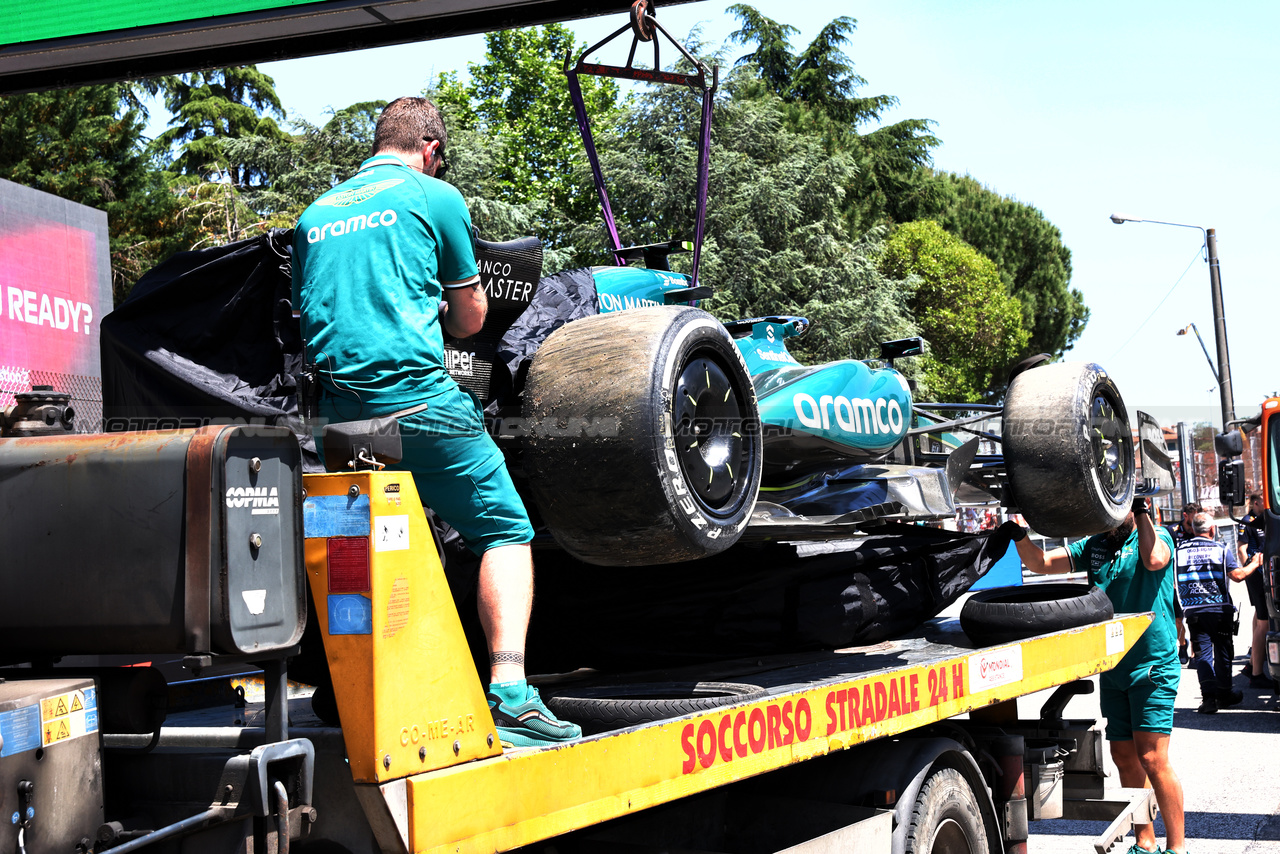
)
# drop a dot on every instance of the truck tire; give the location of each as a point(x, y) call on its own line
point(605, 708)
point(1068, 450)
point(946, 818)
point(643, 442)
point(1007, 614)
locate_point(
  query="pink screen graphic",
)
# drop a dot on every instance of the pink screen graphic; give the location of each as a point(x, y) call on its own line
point(50, 304)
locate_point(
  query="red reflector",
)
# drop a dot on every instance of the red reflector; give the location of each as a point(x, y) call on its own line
point(348, 564)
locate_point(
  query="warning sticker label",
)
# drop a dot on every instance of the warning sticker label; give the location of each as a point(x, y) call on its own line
point(397, 608)
point(67, 716)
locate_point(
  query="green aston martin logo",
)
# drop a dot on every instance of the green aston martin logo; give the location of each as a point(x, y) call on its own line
point(356, 195)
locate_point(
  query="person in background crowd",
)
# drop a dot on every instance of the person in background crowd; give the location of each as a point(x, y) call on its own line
point(1204, 568)
point(1250, 537)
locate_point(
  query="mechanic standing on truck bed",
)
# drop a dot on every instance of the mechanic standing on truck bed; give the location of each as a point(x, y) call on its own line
point(382, 262)
point(1134, 565)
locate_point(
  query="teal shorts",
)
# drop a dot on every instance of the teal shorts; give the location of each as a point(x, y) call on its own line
point(1143, 701)
point(458, 470)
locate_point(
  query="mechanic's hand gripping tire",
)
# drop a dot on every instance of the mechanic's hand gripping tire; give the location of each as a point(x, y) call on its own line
point(644, 444)
point(1068, 450)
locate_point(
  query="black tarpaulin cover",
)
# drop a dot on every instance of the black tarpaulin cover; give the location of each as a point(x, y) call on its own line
point(205, 335)
point(752, 600)
point(560, 298)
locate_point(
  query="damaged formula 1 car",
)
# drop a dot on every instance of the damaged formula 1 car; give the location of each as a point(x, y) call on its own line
point(650, 432)
point(765, 505)
point(640, 429)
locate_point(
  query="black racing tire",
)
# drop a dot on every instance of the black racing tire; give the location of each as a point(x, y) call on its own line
point(1006, 614)
point(609, 707)
point(946, 818)
point(1068, 450)
point(643, 442)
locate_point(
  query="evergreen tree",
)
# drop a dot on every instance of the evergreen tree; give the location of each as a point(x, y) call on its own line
point(307, 164)
point(892, 182)
point(775, 241)
point(516, 108)
point(208, 107)
point(86, 145)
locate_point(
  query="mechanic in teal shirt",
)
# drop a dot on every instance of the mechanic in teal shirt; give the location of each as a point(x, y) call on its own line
point(383, 266)
point(1134, 565)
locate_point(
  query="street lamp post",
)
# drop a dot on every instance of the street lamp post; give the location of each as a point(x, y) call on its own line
point(1219, 315)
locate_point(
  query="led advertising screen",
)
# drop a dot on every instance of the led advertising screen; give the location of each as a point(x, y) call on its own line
point(55, 287)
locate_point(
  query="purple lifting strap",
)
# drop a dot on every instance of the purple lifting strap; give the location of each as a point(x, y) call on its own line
point(655, 75)
point(584, 127)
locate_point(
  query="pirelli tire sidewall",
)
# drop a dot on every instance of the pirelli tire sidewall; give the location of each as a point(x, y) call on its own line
point(697, 333)
point(621, 496)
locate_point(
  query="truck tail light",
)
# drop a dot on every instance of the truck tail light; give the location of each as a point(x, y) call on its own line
point(348, 561)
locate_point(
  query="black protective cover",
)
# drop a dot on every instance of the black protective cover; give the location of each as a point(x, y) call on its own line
point(207, 335)
point(751, 600)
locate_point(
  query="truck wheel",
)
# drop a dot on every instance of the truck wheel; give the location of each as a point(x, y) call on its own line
point(643, 443)
point(1068, 450)
point(611, 707)
point(1006, 614)
point(946, 818)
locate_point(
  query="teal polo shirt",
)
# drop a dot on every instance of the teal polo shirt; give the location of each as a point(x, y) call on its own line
point(371, 260)
point(1132, 588)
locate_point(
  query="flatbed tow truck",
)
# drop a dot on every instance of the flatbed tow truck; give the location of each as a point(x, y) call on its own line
point(209, 548)
point(910, 745)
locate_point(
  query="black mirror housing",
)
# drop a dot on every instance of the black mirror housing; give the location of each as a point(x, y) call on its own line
point(901, 347)
point(1229, 444)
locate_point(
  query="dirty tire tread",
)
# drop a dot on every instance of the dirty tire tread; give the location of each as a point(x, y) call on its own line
point(946, 805)
point(1048, 455)
point(1007, 614)
point(600, 461)
point(611, 707)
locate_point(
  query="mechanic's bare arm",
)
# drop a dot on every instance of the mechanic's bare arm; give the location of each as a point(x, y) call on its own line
point(1152, 550)
point(1243, 571)
point(463, 310)
point(1036, 559)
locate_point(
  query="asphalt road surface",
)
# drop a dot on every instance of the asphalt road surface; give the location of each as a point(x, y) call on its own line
point(1229, 763)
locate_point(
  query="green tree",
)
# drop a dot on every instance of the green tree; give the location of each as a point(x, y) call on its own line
point(86, 145)
point(518, 101)
point(973, 327)
point(1028, 250)
point(775, 242)
point(307, 164)
point(209, 107)
point(892, 181)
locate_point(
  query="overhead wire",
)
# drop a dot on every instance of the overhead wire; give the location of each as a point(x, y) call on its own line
point(1199, 254)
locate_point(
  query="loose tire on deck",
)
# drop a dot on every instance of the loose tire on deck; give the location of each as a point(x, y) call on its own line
point(1007, 614)
point(644, 444)
point(1068, 450)
point(946, 818)
point(609, 707)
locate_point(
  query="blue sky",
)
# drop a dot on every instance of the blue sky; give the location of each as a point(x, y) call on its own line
point(1164, 111)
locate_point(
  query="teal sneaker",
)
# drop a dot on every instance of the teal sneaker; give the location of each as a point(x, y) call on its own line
point(526, 723)
point(1135, 848)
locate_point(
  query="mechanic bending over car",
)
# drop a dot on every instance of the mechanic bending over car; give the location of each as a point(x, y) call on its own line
point(1133, 564)
point(382, 262)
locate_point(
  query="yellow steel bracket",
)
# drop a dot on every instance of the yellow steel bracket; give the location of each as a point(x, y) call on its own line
point(407, 690)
